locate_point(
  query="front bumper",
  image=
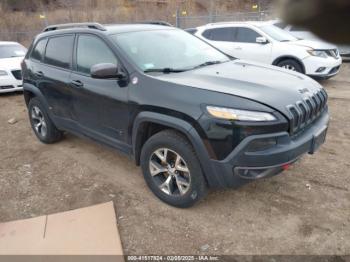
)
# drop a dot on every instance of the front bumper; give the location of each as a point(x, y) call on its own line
point(322, 68)
point(242, 166)
point(10, 84)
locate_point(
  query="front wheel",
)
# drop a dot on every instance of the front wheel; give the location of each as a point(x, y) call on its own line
point(291, 64)
point(172, 170)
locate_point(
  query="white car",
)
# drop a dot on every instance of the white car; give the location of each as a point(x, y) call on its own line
point(266, 43)
point(11, 56)
point(301, 33)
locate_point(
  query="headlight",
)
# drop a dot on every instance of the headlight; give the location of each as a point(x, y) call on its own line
point(241, 115)
point(318, 53)
point(3, 73)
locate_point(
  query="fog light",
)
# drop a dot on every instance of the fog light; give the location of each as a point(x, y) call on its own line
point(320, 70)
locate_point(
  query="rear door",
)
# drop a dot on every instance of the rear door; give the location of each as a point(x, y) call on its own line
point(100, 105)
point(52, 74)
point(222, 38)
point(246, 46)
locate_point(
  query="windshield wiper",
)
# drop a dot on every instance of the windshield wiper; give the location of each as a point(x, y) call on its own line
point(209, 63)
point(164, 70)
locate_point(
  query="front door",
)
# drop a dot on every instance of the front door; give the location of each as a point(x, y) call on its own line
point(246, 46)
point(100, 105)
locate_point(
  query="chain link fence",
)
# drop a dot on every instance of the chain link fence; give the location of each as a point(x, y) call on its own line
point(195, 21)
point(182, 21)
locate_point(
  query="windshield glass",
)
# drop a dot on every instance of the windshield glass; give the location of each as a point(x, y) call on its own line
point(8, 51)
point(278, 34)
point(171, 49)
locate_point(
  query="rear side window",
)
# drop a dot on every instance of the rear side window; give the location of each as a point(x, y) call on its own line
point(39, 50)
point(59, 51)
point(92, 51)
point(246, 35)
point(225, 34)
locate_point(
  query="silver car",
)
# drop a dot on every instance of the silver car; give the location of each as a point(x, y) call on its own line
point(301, 33)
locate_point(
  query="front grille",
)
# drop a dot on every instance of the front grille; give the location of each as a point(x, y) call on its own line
point(303, 113)
point(17, 74)
point(333, 53)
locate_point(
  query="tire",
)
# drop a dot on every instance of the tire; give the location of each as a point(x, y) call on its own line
point(41, 123)
point(291, 64)
point(183, 189)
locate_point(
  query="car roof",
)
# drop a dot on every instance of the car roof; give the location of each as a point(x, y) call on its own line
point(245, 23)
point(108, 29)
point(8, 43)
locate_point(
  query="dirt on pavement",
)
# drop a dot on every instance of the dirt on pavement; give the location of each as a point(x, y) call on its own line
point(306, 210)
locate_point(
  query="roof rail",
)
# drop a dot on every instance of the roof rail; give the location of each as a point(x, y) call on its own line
point(96, 26)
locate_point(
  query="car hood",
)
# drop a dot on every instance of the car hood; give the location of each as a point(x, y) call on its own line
point(314, 44)
point(268, 85)
point(13, 63)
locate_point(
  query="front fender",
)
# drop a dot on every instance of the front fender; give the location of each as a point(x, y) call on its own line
point(186, 129)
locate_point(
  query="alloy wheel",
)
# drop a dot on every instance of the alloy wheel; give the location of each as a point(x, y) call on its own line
point(39, 122)
point(289, 67)
point(170, 172)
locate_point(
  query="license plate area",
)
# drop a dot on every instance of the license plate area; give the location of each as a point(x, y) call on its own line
point(318, 140)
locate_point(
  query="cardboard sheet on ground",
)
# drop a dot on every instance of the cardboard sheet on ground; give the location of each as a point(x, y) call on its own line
point(87, 231)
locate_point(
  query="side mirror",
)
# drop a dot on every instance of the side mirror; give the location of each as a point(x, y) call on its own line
point(262, 40)
point(106, 71)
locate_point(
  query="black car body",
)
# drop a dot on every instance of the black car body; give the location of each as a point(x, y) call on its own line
point(127, 108)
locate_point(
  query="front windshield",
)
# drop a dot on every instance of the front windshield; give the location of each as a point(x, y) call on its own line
point(278, 34)
point(8, 51)
point(172, 49)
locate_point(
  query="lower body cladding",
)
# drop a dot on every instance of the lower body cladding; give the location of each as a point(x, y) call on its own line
point(322, 68)
point(243, 166)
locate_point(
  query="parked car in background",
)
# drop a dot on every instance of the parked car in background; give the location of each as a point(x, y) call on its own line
point(301, 33)
point(11, 56)
point(266, 43)
point(190, 115)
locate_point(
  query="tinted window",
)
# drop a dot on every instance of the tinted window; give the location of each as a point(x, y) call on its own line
point(39, 50)
point(246, 35)
point(59, 51)
point(220, 34)
point(8, 51)
point(91, 51)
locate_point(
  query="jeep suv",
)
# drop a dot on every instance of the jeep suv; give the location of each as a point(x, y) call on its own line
point(191, 116)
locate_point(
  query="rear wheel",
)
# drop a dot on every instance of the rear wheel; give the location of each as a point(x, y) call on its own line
point(41, 123)
point(291, 64)
point(172, 170)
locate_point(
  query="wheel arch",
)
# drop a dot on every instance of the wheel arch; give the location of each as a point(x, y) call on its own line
point(30, 91)
point(168, 122)
point(288, 57)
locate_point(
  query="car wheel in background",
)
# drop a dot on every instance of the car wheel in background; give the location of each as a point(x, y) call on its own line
point(41, 123)
point(172, 170)
point(291, 64)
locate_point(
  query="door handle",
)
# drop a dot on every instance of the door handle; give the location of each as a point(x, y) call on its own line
point(77, 83)
point(39, 74)
point(238, 48)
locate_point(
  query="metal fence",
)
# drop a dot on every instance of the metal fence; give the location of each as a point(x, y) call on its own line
point(183, 21)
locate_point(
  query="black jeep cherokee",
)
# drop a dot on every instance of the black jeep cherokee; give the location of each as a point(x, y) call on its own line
point(191, 116)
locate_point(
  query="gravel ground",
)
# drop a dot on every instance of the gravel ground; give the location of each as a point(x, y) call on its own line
point(306, 210)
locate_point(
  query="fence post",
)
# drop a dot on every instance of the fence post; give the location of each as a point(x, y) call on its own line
point(177, 23)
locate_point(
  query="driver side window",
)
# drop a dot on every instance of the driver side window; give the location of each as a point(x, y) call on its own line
point(91, 51)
